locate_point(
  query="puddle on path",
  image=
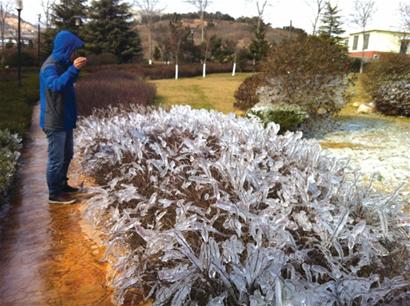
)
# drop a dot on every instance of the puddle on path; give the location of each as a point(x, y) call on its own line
point(45, 258)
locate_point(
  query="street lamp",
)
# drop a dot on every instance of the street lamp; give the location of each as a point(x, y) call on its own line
point(38, 39)
point(77, 20)
point(19, 7)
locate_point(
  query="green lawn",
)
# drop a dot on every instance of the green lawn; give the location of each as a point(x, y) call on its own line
point(16, 103)
point(216, 91)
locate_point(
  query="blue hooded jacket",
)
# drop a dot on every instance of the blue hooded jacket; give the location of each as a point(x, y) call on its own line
point(57, 76)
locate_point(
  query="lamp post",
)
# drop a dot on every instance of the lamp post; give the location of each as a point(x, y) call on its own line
point(19, 7)
point(38, 39)
point(77, 21)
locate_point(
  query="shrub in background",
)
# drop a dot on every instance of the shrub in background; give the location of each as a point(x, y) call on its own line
point(101, 89)
point(289, 117)
point(10, 145)
point(388, 82)
point(164, 71)
point(28, 59)
point(246, 94)
point(310, 72)
point(104, 58)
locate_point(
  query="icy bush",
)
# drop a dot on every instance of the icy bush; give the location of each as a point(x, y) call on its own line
point(393, 98)
point(201, 208)
point(10, 144)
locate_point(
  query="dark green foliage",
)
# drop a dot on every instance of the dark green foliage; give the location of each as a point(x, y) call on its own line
point(259, 46)
point(110, 30)
point(222, 51)
point(245, 95)
point(67, 14)
point(289, 117)
point(27, 59)
point(112, 87)
point(331, 24)
point(16, 103)
point(387, 81)
point(10, 144)
point(157, 53)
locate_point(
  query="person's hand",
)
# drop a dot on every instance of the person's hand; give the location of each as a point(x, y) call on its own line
point(80, 62)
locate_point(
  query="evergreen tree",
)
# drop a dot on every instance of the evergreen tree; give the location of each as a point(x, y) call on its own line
point(331, 23)
point(69, 15)
point(259, 46)
point(66, 15)
point(110, 29)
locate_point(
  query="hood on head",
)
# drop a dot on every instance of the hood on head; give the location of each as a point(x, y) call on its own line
point(65, 43)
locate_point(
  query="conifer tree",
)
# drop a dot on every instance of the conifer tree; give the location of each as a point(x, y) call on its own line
point(331, 24)
point(259, 46)
point(69, 15)
point(110, 29)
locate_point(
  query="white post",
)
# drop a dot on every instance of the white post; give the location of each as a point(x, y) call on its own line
point(234, 69)
point(150, 61)
point(204, 70)
point(176, 71)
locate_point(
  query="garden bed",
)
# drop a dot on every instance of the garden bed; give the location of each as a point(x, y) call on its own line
point(212, 209)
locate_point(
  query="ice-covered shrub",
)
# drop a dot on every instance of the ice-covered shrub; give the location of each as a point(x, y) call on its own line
point(393, 98)
point(201, 208)
point(10, 144)
point(289, 117)
point(388, 82)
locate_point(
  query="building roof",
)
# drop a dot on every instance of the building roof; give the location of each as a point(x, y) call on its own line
point(377, 30)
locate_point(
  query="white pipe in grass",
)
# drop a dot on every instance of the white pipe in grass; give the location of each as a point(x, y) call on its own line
point(204, 70)
point(176, 72)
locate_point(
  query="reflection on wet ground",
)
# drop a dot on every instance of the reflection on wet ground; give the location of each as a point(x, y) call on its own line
point(45, 258)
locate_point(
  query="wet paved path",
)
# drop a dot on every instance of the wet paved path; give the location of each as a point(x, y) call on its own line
point(45, 258)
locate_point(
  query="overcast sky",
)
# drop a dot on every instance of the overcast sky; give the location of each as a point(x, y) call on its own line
point(278, 14)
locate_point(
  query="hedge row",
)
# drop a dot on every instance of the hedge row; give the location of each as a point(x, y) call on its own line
point(165, 71)
point(103, 88)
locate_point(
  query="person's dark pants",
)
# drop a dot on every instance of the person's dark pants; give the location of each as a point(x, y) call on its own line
point(60, 154)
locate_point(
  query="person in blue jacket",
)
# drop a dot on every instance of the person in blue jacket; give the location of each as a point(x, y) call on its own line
point(58, 112)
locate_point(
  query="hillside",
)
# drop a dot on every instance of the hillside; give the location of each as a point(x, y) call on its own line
point(239, 32)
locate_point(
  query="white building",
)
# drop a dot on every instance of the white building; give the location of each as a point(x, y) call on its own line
point(370, 44)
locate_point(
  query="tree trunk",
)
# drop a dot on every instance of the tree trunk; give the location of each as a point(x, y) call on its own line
point(150, 41)
point(3, 54)
point(202, 26)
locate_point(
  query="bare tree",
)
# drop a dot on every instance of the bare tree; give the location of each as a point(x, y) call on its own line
point(5, 9)
point(317, 7)
point(201, 5)
point(261, 6)
point(405, 16)
point(148, 9)
point(363, 13)
point(47, 6)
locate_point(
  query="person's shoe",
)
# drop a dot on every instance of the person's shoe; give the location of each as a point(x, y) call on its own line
point(69, 189)
point(62, 199)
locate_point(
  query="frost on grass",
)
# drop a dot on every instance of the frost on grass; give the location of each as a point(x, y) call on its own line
point(201, 208)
